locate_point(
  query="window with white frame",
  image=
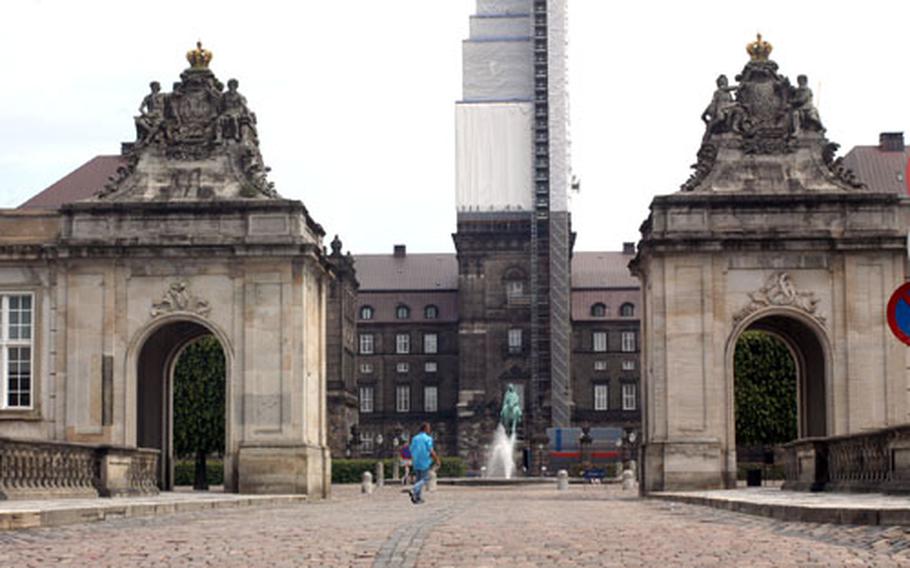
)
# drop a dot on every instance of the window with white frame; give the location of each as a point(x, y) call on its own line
point(599, 310)
point(627, 310)
point(402, 367)
point(402, 343)
point(430, 343)
point(366, 368)
point(515, 290)
point(366, 399)
point(402, 312)
point(402, 398)
point(366, 442)
point(628, 341)
point(515, 340)
point(601, 398)
point(628, 365)
point(366, 313)
point(430, 398)
point(629, 396)
point(429, 367)
point(600, 365)
point(430, 312)
point(366, 343)
point(16, 332)
point(599, 341)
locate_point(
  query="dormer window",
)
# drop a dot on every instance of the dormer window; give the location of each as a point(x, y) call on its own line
point(402, 312)
point(431, 312)
point(366, 313)
point(627, 310)
point(599, 310)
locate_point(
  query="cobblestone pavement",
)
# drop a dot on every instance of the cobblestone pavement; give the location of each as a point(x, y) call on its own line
point(460, 527)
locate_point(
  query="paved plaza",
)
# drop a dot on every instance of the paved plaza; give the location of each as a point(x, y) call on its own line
point(460, 527)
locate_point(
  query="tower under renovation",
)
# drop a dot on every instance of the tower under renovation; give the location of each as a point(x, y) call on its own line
point(513, 239)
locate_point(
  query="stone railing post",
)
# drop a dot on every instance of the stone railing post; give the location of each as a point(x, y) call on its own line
point(562, 480)
point(366, 483)
point(380, 474)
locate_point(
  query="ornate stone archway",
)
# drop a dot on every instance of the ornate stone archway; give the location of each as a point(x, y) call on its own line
point(188, 230)
point(770, 225)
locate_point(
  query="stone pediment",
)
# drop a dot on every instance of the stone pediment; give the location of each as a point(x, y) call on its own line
point(764, 135)
point(198, 142)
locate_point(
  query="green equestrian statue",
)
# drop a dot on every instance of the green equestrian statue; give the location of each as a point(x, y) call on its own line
point(510, 416)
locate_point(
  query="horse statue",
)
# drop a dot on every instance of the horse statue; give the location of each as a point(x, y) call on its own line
point(510, 416)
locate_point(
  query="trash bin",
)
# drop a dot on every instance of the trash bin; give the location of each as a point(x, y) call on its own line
point(753, 478)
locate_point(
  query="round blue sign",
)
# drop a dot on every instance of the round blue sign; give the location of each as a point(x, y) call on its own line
point(899, 313)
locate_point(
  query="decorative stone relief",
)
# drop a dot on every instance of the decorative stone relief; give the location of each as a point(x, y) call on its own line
point(178, 298)
point(780, 291)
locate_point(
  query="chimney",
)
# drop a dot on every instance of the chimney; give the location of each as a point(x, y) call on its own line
point(891, 141)
point(400, 251)
point(628, 248)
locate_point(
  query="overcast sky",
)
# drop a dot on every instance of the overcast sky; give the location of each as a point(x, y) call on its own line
point(355, 99)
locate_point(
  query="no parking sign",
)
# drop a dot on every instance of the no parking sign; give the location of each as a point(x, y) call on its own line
point(899, 313)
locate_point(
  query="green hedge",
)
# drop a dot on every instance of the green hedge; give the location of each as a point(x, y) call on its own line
point(185, 472)
point(351, 471)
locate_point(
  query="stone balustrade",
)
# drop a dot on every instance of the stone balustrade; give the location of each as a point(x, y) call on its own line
point(31, 469)
point(870, 461)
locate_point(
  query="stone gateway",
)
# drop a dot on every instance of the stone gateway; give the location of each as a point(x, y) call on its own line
point(189, 238)
point(771, 232)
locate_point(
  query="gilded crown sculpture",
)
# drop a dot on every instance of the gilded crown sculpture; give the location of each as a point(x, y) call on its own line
point(759, 50)
point(199, 58)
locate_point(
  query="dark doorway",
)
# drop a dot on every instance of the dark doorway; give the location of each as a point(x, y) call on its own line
point(155, 391)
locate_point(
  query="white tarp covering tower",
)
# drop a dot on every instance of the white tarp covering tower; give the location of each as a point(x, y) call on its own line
point(512, 170)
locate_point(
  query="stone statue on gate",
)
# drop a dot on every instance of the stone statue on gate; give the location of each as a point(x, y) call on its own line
point(510, 416)
point(151, 113)
point(804, 115)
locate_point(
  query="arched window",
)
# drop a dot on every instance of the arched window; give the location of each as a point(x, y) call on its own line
point(366, 313)
point(514, 281)
point(430, 312)
point(402, 312)
point(599, 310)
point(627, 310)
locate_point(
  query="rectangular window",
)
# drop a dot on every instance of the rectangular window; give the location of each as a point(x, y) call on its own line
point(402, 367)
point(515, 340)
point(366, 343)
point(600, 365)
point(629, 396)
point(628, 341)
point(16, 327)
point(402, 343)
point(366, 399)
point(366, 368)
point(429, 367)
point(430, 343)
point(366, 443)
point(599, 341)
point(628, 365)
point(515, 290)
point(600, 397)
point(402, 398)
point(430, 399)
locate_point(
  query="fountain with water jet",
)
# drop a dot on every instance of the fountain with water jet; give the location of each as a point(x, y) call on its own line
point(501, 459)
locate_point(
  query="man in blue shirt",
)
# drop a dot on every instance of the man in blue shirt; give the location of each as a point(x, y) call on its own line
point(422, 457)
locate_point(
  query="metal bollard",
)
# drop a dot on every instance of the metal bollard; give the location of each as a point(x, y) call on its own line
point(366, 483)
point(431, 480)
point(380, 474)
point(562, 480)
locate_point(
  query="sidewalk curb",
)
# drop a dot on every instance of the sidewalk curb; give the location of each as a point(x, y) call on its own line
point(28, 519)
point(799, 513)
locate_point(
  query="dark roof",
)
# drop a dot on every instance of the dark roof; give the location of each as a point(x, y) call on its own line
point(409, 272)
point(880, 170)
point(582, 300)
point(385, 304)
point(602, 270)
point(81, 183)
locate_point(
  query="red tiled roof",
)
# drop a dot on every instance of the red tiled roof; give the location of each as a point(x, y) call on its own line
point(384, 305)
point(878, 169)
point(81, 183)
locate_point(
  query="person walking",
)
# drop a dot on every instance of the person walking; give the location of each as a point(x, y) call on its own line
point(405, 459)
point(422, 457)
